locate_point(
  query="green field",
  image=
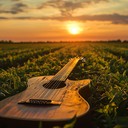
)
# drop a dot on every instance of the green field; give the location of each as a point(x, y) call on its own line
point(106, 64)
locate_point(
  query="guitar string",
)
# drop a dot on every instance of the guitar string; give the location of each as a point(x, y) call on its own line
point(40, 94)
point(61, 78)
point(57, 80)
point(51, 83)
point(57, 92)
point(56, 84)
point(37, 92)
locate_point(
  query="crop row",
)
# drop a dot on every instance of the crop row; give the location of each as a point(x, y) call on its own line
point(4, 53)
point(110, 86)
point(108, 72)
point(14, 79)
point(19, 59)
point(118, 52)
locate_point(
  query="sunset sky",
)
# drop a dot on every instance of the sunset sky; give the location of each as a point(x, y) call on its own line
point(42, 20)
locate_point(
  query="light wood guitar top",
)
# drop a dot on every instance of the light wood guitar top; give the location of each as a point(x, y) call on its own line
point(71, 103)
point(49, 98)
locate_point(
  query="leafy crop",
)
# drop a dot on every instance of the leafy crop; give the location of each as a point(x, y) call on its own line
point(105, 64)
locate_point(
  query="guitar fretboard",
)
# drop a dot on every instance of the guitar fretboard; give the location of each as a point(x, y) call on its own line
point(63, 74)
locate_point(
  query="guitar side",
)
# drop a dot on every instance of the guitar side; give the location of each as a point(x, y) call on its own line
point(73, 103)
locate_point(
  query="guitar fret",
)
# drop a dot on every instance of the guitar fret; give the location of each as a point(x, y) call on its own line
point(66, 70)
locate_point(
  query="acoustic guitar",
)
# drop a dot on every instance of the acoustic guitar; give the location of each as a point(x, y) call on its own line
point(49, 98)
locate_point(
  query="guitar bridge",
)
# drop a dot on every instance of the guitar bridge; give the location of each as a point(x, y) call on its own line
point(40, 102)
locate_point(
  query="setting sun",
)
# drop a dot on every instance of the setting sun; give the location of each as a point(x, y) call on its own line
point(48, 20)
point(74, 28)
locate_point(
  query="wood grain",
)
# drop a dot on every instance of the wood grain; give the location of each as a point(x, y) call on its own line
point(72, 103)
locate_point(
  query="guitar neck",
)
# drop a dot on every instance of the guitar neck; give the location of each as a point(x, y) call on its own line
point(63, 74)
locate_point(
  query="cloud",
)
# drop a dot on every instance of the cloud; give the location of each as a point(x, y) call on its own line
point(16, 0)
point(19, 7)
point(3, 18)
point(15, 9)
point(113, 18)
point(67, 8)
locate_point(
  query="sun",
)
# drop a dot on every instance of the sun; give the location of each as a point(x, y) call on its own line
point(74, 28)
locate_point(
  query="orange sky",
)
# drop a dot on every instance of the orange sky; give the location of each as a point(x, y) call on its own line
point(41, 20)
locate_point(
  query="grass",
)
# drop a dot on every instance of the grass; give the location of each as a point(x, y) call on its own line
point(106, 65)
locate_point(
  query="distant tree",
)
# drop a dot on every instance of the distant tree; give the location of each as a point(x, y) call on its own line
point(6, 42)
point(125, 41)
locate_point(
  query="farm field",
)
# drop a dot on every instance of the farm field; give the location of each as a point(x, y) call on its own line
point(106, 64)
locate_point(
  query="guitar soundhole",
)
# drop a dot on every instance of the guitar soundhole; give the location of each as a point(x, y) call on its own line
point(54, 84)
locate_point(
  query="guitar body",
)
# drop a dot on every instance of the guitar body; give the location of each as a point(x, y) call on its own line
point(72, 102)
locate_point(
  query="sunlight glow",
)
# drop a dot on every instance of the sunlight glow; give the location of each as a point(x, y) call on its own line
point(74, 28)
